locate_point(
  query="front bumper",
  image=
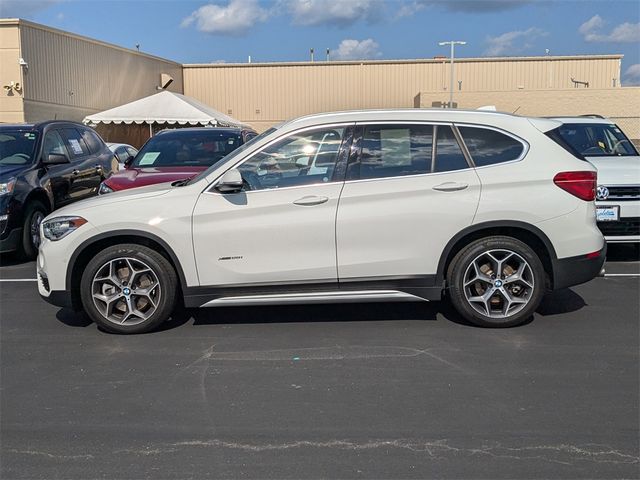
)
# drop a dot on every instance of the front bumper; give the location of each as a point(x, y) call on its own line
point(571, 271)
point(11, 241)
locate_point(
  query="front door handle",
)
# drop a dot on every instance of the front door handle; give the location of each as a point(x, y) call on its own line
point(98, 167)
point(450, 187)
point(76, 172)
point(311, 200)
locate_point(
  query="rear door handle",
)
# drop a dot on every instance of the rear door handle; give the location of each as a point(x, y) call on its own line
point(450, 187)
point(98, 167)
point(311, 200)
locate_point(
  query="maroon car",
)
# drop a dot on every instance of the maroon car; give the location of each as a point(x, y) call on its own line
point(174, 155)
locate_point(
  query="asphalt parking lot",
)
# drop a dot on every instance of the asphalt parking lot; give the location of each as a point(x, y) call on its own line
point(340, 391)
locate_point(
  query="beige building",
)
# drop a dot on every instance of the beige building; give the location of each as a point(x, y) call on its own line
point(69, 76)
point(62, 75)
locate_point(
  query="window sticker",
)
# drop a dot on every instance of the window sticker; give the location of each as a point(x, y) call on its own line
point(149, 158)
point(75, 146)
point(30, 136)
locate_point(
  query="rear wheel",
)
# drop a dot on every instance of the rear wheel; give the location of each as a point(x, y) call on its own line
point(496, 282)
point(33, 216)
point(129, 289)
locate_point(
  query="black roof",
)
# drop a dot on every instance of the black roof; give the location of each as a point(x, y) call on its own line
point(236, 130)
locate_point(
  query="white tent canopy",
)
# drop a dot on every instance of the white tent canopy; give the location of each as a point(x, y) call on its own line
point(164, 107)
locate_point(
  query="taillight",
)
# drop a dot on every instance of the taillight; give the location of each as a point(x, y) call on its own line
point(579, 184)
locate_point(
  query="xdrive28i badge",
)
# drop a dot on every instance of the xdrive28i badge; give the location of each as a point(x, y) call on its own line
point(602, 192)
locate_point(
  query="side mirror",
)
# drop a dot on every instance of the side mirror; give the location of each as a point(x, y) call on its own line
point(128, 161)
point(55, 159)
point(231, 182)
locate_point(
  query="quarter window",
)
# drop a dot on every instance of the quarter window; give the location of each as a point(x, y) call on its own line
point(301, 159)
point(449, 156)
point(393, 151)
point(488, 147)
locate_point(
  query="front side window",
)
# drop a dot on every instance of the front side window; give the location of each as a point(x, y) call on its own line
point(53, 143)
point(300, 159)
point(597, 139)
point(17, 147)
point(488, 147)
point(393, 151)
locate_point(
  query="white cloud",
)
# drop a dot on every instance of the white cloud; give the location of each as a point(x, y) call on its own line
point(591, 31)
point(236, 18)
point(356, 50)
point(632, 75)
point(331, 12)
point(513, 42)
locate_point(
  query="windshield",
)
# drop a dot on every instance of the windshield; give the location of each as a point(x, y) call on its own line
point(17, 147)
point(187, 149)
point(597, 139)
point(235, 153)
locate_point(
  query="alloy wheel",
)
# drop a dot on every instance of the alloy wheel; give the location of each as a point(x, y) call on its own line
point(498, 283)
point(126, 291)
point(34, 228)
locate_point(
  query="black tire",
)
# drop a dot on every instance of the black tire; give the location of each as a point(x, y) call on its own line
point(165, 296)
point(464, 292)
point(34, 213)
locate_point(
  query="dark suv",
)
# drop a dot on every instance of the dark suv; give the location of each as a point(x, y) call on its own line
point(44, 166)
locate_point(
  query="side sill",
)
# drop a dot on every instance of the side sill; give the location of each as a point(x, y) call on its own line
point(316, 298)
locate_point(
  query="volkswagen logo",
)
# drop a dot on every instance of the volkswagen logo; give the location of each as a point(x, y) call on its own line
point(602, 193)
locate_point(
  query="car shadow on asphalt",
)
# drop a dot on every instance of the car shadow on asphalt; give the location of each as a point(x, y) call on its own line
point(555, 303)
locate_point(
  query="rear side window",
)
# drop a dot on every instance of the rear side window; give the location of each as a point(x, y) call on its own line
point(488, 147)
point(393, 151)
point(92, 140)
point(449, 155)
point(75, 143)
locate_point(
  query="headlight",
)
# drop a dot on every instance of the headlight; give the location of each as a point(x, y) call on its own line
point(104, 188)
point(7, 187)
point(60, 227)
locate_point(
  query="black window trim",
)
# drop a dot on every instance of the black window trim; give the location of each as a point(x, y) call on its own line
point(360, 132)
point(524, 143)
point(348, 127)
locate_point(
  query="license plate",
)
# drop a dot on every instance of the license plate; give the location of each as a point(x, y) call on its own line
point(607, 214)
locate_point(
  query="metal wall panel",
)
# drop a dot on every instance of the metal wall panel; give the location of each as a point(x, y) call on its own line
point(270, 93)
point(79, 74)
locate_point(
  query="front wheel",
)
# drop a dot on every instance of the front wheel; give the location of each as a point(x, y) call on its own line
point(497, 281)
point(129, 289)
point(33, 216)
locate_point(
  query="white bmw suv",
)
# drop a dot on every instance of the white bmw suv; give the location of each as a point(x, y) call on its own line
point(602, 143)
point(391, 205)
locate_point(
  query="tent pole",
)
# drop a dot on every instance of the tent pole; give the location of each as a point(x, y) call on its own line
point(150, 131)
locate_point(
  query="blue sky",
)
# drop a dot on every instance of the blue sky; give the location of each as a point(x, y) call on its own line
point(284, 30)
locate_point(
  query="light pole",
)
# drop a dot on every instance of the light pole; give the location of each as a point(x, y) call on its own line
point(453, 43)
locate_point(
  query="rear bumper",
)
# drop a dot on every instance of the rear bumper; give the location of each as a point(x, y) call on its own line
point(576, 270)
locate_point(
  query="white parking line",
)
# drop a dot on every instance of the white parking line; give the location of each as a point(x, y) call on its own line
point(18, 279)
